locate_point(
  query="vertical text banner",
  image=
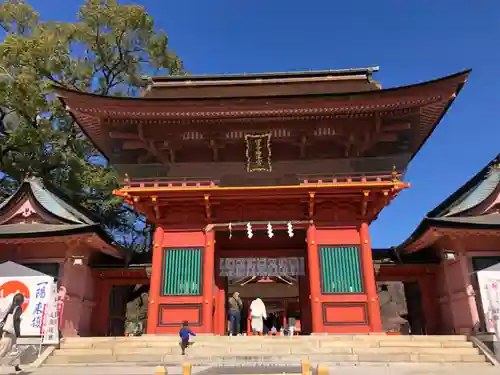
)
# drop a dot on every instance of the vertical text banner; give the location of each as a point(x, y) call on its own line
point(50, 328)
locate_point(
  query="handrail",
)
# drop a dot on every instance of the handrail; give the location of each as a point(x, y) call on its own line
point(490, 356)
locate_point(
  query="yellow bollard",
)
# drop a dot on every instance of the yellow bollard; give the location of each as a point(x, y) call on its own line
point(306, 367)
point(322, 370)
point(186, 369)
point(160, 370)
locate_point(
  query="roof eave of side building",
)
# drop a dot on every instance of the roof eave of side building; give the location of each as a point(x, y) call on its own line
point(432, 218)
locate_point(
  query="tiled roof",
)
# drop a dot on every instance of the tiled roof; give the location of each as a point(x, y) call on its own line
point(477, 194)
point(51, 202)
point(472, 193)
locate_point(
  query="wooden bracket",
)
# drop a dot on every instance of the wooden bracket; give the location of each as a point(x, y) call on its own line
point(156, 208)
point(311, 204)
point(208, 208)
point(151, 145)
point(136, 202)
point(364, 202)
point(386, 197)
point(379, 204)
point(303, 146)
point(215, 149)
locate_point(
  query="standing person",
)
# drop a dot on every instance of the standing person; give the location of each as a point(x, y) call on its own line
point(184, 334)
point(257, 316)
point(11, 326)
point(235, 306)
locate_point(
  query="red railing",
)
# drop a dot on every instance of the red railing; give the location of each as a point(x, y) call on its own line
point(169, 183)
point(351, 178)
point(161, 182)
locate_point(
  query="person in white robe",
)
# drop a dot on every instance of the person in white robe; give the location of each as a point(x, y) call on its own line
point(257, 316)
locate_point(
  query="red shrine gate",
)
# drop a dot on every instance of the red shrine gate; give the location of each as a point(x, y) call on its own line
point(325, 150)
point(330, 254)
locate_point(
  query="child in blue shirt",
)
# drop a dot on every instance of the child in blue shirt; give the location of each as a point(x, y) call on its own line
point(184, 334)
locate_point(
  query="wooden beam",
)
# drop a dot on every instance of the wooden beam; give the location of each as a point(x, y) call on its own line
point(122, 135)
point(387, 137)
point(133, 145)
point(397, 127)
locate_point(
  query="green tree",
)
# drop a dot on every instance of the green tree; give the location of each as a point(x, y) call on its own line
point(107, 51)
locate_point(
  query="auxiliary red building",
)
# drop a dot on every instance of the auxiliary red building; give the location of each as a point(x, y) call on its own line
point(463, 232)
point(264, 179)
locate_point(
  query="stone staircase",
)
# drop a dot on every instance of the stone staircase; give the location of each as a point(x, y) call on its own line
point(243, 350)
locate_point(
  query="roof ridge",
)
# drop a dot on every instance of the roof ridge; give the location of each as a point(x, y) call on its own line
point(264, 75)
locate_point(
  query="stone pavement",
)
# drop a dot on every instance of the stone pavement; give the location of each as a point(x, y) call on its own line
point(364, 369)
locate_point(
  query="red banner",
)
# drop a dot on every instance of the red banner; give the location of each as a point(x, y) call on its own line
point(44, 320)
point(60, 310)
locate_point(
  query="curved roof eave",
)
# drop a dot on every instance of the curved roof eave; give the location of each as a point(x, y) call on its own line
point(422, 227)
point(461, 76)
point(73, 100)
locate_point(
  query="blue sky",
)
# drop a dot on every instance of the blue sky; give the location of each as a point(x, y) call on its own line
point(412, 41)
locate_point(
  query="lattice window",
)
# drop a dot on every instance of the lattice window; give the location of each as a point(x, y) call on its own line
point(182, 272)
point(340, 270)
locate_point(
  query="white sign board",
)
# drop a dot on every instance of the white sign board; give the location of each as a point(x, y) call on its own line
point(489, 285)
point(36, 291)
point(50, 321)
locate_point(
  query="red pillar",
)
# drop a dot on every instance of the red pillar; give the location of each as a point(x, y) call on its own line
point(220, 298)
point(208, 281)
point(314, 280)
point(154, 286)
point(305, 312)
point(369, 278)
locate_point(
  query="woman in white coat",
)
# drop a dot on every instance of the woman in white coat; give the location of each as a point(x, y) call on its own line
point(257, 316)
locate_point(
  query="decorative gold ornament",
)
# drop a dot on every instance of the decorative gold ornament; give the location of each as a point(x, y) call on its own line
point(258, 152)
point(395, 177)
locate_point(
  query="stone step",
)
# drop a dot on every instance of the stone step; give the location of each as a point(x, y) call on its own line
point(212, 338)
point(177, 359)
point(238, 350)
point(223, 340)
point(153, 350)
point(259, 344)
